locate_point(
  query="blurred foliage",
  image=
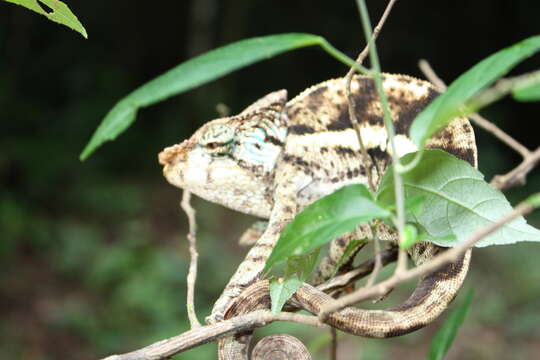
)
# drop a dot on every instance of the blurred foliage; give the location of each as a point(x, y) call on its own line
point(93, 256)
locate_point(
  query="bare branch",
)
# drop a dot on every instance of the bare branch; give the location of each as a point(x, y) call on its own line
point(530, 159)
point(478, 119)
point(446, 257)
point(364, 269)
point(333, 347)
point(376, 31)
point(194, 256)
point(204, 334)
point(502, 88)
point(517, 176)
point(430, 74)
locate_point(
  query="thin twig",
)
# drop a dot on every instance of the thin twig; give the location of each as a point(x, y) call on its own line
point(502, 88)
point(378, 262)
point(333, 344)
point(446, 257)
point(194, 256)
point(430, 74)
point(517, 176)
point(341, 281)
point(530, 159)
point(204, 334)
point(351, 102)
point(478, 119)
point(376, 31)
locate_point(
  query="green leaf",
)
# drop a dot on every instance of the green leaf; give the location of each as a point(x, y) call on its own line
point(451, 104)
point(59, 13)
point(192, 73)
point(528, 93)
point(444, 338)
point(325, 220)
point(281, 290)
point(458, 201)
point(302, 265)
point(298, 269)
point(351, 248)
point(415, 204)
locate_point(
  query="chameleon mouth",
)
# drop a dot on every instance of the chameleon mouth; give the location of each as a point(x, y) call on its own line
point(172, 155)
point(166, 157)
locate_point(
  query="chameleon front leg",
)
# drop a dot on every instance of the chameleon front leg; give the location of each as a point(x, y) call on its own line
point(251, 268)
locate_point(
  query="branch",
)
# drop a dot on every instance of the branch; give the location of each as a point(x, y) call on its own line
point(333, 345)
point(518, 175)
point(376, 31)
point(446, 257)
point(530, 159)
point(204, 334)
point(194, 256)
point(364, 269)
point(478, 120)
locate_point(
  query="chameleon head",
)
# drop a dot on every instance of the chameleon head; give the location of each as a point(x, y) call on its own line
point(231, 160)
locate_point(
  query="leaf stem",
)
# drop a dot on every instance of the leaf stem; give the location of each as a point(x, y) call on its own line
point(332, 51)
point(398, 181)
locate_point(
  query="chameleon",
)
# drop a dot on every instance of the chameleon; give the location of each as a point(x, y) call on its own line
point(278, 156)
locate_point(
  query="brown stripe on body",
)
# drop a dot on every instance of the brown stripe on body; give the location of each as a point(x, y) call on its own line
point(296, 160)
point(461, 145)
point(301, 129)
point(406, 109)
point(343, 121)
point(317, 99)
point(325, 107)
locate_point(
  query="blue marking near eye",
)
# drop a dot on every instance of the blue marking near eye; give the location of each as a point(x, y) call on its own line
point(253, 148)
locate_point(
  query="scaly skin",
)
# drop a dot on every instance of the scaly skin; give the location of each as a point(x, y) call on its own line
point(277, 157)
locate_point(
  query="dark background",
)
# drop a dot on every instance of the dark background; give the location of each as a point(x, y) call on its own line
point(93, 257)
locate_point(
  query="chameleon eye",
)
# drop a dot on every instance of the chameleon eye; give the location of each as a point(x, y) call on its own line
point(212, 145)
point(217, 140)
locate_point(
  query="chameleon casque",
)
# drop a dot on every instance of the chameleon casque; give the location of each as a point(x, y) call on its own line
point(276, 157)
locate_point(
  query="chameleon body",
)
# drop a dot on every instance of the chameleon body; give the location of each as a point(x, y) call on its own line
point(276, 157)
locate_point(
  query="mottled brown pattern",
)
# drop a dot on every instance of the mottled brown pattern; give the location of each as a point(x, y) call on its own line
point(308, 149)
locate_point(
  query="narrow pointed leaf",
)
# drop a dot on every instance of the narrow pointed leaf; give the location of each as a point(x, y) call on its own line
point(458, 201)
point(325, 220)
point(192, 73)
point(443, 339)
point(302, 265)
point(351, 249)
point(281, 290)
point(59, 13)
point(451, 104)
